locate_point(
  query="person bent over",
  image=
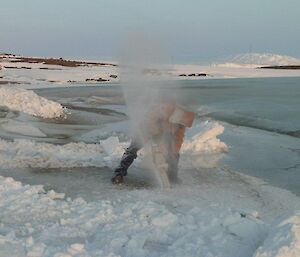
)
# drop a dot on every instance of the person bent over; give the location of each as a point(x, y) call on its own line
point(164, 126)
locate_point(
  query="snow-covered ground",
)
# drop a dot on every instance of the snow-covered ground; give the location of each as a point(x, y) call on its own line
point(214, 212)
point(242, 66)
point(35, 75)
point(203, 146)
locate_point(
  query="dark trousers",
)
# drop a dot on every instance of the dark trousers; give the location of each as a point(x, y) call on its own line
point(128, 157)
point(171, 157)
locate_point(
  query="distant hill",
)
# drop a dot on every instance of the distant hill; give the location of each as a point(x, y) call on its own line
point(261, 59)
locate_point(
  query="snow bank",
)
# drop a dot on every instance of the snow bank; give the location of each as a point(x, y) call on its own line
point(214, 213)
point(29, 102)
point(216, 217)
point(38, 223)
point(204, 148)
point(26, 153)
point(205, 141)
point(283, 240)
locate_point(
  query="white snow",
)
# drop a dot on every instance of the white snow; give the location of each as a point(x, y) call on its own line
point(27, 101)
point(204, 146)
point(216, 220)
point(217, 71)
point(110, 145)
point(27, 153)
point(214, 213)
point(206, 140)
point(241, 66)
point(261, 59)
point(283, 240)
point(41, 75)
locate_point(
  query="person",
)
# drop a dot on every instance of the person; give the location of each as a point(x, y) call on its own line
point(164, 126)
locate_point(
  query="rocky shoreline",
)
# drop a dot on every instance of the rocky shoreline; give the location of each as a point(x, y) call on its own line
point(41, 71)
point(50, 61)
point(17, 69)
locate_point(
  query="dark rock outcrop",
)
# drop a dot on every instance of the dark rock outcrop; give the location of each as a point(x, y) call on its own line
point(97, 80)
point(282, 67)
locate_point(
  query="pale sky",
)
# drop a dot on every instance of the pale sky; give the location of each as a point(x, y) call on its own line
point(189, 30)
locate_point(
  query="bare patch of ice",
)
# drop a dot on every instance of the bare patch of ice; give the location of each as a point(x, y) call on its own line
point(22, 128)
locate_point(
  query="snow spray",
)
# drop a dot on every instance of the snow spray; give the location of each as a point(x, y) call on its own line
point(142, 68)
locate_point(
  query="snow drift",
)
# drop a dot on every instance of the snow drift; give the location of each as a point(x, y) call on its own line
point(27, 101)
point(220, 218)
point(283, 240)
point(203, 149)
point(43, 224)
point(198, 220)
point(27, 153)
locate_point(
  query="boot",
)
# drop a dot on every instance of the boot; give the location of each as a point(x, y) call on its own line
point(127, 159)
point(117, 179)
